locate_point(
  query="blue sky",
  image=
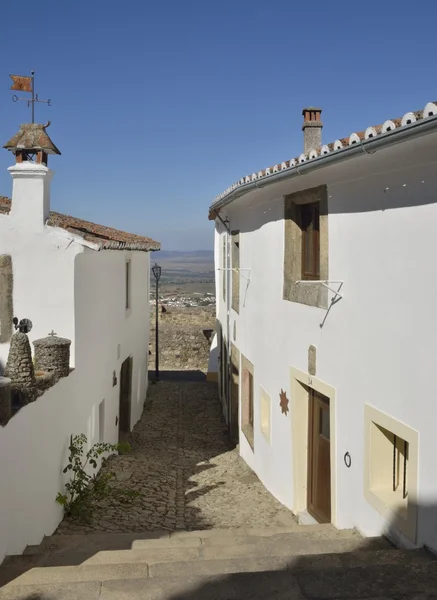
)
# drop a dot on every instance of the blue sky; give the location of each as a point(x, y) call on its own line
point(159, 106)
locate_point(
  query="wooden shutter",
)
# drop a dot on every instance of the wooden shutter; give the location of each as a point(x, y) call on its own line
point(310, 225)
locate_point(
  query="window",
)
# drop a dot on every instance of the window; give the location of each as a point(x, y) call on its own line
point(391, 470)
point(247, 401)
point(306, 246)
point(128, 284)
point(236, 271)
point(310, 226)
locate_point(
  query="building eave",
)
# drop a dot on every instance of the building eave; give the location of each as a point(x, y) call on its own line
point(368, 142)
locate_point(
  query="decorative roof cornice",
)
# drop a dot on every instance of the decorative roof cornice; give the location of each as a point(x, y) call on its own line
point(430, 110)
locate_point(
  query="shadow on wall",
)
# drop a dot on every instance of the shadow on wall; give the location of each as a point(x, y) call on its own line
point(2, 368)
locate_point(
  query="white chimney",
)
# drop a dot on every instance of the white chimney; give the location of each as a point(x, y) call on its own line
point(31, 146)
point(30, 206)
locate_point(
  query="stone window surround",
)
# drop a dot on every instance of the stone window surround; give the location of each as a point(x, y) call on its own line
point(309, 294)
point(407, 523)
point(246, 428)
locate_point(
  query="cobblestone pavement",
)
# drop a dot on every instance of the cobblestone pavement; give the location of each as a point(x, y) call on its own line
point(186, 472)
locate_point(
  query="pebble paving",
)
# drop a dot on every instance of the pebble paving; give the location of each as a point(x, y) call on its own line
point(187, 474)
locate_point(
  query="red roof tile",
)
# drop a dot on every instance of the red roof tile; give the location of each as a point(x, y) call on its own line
point(105, 237)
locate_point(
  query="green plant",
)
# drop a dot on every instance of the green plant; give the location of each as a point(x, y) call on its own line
point(84, 489)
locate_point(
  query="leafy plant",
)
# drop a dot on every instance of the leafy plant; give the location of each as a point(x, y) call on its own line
point(84, 490)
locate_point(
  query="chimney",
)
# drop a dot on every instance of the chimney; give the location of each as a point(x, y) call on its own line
point(31, 176)
point(312, 129)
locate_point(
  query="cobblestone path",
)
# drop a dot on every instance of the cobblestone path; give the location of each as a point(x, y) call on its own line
point(185, 470)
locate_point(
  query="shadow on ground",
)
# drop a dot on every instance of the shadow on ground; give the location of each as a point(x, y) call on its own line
point(188, 475)
point(182, 376)
point(373, 571)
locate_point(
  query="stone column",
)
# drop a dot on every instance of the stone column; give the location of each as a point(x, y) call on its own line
point(19, 369)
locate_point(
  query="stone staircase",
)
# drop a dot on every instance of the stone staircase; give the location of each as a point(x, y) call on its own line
point(314, 561)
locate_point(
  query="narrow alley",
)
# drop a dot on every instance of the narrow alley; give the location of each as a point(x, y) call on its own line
point(188, 475)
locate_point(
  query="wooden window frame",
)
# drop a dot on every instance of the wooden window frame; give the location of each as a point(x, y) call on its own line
point(311, 210)
point(128, 284)
point(235, 264)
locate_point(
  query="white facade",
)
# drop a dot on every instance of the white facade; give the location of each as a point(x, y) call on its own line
point(375, 350)
point(62, 283)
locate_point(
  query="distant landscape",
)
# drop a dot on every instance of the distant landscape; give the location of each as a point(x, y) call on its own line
point(187, 278)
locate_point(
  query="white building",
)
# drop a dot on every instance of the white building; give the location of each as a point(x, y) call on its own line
point(326, 300)
point(85, 282)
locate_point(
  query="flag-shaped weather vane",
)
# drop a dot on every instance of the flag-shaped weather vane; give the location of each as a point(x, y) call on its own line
point(23, 83)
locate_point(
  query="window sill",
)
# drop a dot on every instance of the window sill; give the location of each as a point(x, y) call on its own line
point(311, 294)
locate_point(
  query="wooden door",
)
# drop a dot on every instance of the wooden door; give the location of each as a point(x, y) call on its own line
point(125, 399)
point(319, 458)
point(234, 430)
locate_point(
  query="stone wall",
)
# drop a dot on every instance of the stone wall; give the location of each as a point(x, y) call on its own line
point(182, 343)
point(6, 291)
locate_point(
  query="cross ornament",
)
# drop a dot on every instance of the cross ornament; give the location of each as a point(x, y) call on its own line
point(52, 333)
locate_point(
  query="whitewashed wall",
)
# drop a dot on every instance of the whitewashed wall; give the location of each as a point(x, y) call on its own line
point(378, 343)
point(33, 445)
point(43, 270)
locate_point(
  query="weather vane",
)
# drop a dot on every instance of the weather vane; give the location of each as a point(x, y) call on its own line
point(23, 83)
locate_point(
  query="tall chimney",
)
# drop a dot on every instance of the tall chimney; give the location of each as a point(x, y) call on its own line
point(312, 129)
point(31, 177)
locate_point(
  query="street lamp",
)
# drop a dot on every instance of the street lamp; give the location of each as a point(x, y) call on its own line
point(156, 269)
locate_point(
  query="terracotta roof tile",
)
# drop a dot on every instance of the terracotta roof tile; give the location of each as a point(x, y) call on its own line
point(105, 237)
point(32, 136)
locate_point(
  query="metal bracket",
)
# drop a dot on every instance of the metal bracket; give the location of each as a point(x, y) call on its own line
point(238, 271)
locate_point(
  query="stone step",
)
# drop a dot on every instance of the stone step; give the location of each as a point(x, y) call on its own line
point(390, 573)
point(125, 541)
point(180, 561)
point(210, 549)
point(63, 550)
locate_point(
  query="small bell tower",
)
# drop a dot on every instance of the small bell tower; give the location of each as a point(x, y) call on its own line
point(32, 144)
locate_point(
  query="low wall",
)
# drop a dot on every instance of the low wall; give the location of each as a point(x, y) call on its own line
point(182, 343)
point(34, 449)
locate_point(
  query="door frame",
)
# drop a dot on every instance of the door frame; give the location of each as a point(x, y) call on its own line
point(300, 382)
point(129, 368)
point(316, 401)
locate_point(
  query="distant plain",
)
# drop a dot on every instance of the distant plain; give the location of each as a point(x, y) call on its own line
point(185, 272)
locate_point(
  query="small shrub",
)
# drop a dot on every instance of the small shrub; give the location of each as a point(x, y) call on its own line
point(83, 489)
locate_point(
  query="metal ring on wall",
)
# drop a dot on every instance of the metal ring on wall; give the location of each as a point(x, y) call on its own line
point(347, 460)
